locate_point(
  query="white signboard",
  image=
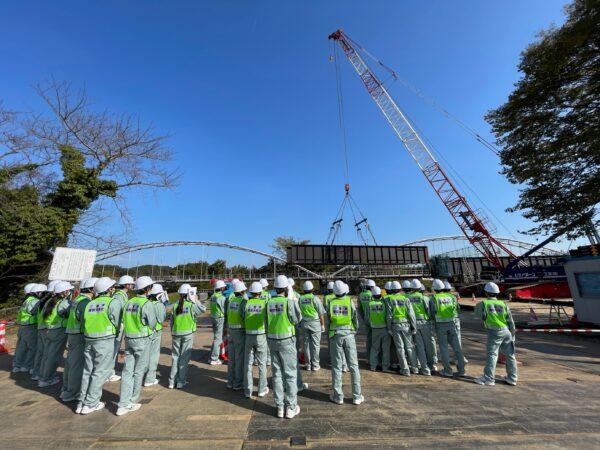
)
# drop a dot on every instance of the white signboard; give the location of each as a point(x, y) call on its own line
point(72, 264)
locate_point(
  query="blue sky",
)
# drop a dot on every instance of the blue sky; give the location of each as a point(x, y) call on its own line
point(247, 92)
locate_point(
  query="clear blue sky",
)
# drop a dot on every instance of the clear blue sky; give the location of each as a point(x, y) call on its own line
point(247, 91)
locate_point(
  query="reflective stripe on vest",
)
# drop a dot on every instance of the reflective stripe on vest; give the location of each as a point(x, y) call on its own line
point(184, 323)
point(417, 300)
point(24, 317)
point(307, 307)
point(54, 321)
point(495, 314)
point(96, 323)
point(254, 316)
point(265, 295)
point(445, 307)
point(327, 299)
point(340, 315)
point(215, 309)
point(132, 318)
point(278, 322)
point(377, 313)
point(234, 318)
point(73, 326)
point(399, 305)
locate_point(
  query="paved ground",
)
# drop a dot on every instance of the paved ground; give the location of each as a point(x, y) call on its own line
point(555, 406)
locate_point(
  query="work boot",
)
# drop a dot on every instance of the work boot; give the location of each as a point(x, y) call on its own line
point(358, 401)
point(509, 381)
point(337, 402)
point(290, 413)
point(263, 393)
point(484, 381)
point(88, 410)
point(151, 383)
point(127, 409)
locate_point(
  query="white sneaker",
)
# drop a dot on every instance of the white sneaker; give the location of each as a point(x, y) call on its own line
point(316, 369)
point(43, 384)
point(35, 378)
point(114, 377)
point(337, 402)
point(79, 408)
point(16, 370)
point(171, 386)
point(87, 410)
point(215, 363)
point(509, 381)
point(125, 410)
point(68, 399)
point(152, 383)
point(263, 393)
point(345, 369)
point(24, 370)
point(483, 381)
point(62, 394)
point(359, 401)
point(290, 413)
point(303, 387)
point(280, 412)
point(182, 385)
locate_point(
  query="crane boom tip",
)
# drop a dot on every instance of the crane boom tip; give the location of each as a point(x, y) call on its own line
point(336, 34)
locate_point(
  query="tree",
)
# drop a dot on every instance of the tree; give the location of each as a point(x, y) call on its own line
point(281, 244)
point(549, 129)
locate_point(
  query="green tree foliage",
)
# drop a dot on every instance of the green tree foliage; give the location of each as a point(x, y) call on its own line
point(281, 244)
point(549, 129)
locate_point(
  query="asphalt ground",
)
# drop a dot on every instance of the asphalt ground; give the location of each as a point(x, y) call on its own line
point(555, 405)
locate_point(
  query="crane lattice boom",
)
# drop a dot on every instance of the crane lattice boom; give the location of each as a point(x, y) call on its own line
point(467, 219)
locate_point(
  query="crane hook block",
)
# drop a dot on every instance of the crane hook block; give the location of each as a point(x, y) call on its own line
point(347, 187)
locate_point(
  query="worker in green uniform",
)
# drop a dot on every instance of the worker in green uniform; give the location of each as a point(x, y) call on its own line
point(498, 321)
point(254, 316)
point(54, 317)
point(100, 321)
point(448, 290)
point(444, 308)
point(364, 297)
point(283, 314)
point(236, 336)
point(328, 297)
point(183, 327)
point(139, 322)
point(40, 347)
point(312, 325)
point(343, 323)
point(402, 326)
point(425, 346)
point(156, 297)
point(375, 316)
point(75, 344)
point(123, 287)
point(27, 336)
point(217, 313)
point(294, 296)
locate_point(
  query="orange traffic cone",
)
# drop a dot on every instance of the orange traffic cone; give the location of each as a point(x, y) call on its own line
point(223, 348)
point(3, 347)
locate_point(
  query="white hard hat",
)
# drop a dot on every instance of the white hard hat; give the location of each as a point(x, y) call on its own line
point(339, 287)
point(183, 289)
point(219, 284)
point(291, 282)
point(371, 283)
point(376, 291)
point(330, 285)
point(39, 288)
point(28, 287)
point(239, 286)
point(491, 288)
point(263, 282)
point(308, 286)
point(396, 285)
point(447, 285)
point(437, 285)
point(256, 288)
point(157, 289)
point(125, 279)
point(406, 284)
point(281, 282)
point(347, 291)
point(51, 285)
point(422, 288)
point(103, 284)
point(88, 283)
point(143, 282)
point(62, 286)
point(387, 285)
point(416, 284)
point(234, 280)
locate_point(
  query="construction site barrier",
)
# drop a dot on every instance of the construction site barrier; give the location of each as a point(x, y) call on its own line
point(3, 347)
point(559, 330)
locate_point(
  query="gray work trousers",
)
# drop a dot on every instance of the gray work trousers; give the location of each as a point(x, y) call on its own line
point(425, 344)
point(235, 352)
point(73, 365)
point(117, 346)
point(311, 333)
point(136, 359)
point(97, 365)
point(344, 345)
point(181, 353)
point(255, 349)
point(56, 341)
point(403, 342)
point(500, 340)
point(380, 348)
point(26, 346)
point(284, 369)
point(39, 351)
point(153, 356)
point(448, 334)
point(217, 326)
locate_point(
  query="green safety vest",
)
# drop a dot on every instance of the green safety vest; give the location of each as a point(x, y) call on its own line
point(377, 313)
point(234, 318)
point(132, 318)
point(73, 325)
point(184, 323)
point(24, 317)
point(40, 315)
point(340, 315)
point(254, 316)
point(399, 305)
point(265, 295)
point(159, 325)
point(495, 313)
point(54, 321)
point(96, 323)
point(445, 307)
point(121, 293)
point(364, 298)
point(307, 307)
point(327, 299)
point(215, 309)
point(278, 322)
point(417, 300)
